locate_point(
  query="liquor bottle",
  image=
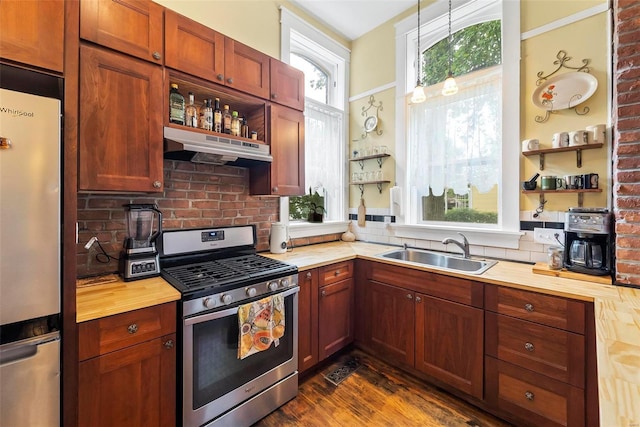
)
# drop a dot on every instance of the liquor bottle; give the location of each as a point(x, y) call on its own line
point(226, 120)
point(176, 105)
point(217, 117)
point(244, 127)
point(202, 123)
point(191, 113)
point(208, 116)
point(235, 124)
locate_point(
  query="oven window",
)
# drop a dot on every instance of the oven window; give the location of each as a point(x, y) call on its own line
point(216, 367)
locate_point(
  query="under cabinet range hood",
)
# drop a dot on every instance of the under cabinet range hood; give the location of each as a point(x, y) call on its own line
point(205, 148)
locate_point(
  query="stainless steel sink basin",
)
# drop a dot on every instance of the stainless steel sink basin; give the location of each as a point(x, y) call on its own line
point(439, 260)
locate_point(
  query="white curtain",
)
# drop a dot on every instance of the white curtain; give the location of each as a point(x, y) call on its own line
point(324, 155)
point(455, 141)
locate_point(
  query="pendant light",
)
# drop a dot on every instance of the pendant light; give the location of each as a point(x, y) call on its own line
point(450, 87)
point(418, 92)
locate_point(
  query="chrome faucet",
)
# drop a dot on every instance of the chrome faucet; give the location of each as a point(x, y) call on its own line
point(464, 245)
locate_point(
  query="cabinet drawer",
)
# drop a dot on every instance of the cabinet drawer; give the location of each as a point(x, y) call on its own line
point(533, 399)
point(553, 352)
point(335, 272)
point(548, 310)
point(108, 334)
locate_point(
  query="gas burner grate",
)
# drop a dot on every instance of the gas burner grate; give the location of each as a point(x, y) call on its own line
point(205, 274)
point(258, 266)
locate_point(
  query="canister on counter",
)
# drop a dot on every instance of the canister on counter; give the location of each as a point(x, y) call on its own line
point(555, 257)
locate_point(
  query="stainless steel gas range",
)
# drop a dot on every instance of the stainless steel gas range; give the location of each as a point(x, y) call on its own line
point(217, 270)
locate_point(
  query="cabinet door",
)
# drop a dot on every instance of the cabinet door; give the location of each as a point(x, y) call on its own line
point(32, 32)
point(335, 317)
point(193, 48)
point(246, 69)
point(287, 85)
point(389, 322)
point(285, 175)
point(134, 386)
point(307, 319)
point(449, 343)
point(120, 122)
point(129, 26)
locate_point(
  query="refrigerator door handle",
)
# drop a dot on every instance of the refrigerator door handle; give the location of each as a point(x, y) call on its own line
point(23, 350)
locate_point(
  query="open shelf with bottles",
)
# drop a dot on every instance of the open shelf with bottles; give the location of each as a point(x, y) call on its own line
point(577, 148)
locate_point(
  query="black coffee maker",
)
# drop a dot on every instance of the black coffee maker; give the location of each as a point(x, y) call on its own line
point(588, 241)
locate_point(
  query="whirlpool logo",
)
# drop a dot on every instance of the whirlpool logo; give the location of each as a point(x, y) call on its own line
point(16, 113)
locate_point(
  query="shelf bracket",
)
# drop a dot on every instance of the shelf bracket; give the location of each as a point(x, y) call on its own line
point(542, 200)
point(361, 163)
point(579, 158)
point(361, 187)
point(580, 199)
point(541, 161)
point(379, 185)
point(380, 159)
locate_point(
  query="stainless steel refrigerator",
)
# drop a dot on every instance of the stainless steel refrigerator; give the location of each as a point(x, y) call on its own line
point(30, 247)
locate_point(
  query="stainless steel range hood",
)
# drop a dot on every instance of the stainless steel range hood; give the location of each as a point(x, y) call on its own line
point(205, 148)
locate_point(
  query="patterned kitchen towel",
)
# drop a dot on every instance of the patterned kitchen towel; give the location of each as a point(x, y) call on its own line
point(261, 323)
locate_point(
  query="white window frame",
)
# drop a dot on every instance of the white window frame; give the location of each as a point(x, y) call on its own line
point(338, 98)
point(464, 12)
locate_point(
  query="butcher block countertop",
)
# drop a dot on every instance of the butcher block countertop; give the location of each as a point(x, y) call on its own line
point(617, 313)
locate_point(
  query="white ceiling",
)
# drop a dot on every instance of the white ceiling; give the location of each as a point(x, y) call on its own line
point(353, 18)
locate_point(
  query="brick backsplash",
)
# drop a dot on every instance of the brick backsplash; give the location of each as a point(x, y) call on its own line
point(195, 195)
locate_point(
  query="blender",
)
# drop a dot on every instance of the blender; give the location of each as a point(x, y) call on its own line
point(139, 258)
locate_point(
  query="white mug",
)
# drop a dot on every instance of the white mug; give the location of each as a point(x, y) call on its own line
point(560, 139)
point(596, 134)
point(530, 144)
point(577, 137)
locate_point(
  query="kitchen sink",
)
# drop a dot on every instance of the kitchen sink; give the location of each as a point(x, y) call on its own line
point(439, 260)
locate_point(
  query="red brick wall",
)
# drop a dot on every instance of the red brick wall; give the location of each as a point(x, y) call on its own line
point(195, 195)
point(626, 137)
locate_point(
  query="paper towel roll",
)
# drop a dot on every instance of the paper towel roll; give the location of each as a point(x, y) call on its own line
point(395, 195)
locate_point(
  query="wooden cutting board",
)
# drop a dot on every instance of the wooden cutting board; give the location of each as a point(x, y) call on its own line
point(362, 213)
point(543, 268)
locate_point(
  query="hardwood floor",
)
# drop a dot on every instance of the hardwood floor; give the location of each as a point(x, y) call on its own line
point(375, 395)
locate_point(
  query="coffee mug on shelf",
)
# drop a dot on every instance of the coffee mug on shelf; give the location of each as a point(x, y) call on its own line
point(596, 134)
point(577, 137)
point(572, 182)
point(590, 180)
point(560, 184)
point(530, 145)
point(548, 182)
point(560, 139)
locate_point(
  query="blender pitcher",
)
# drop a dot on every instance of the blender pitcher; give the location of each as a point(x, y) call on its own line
point(140, 226)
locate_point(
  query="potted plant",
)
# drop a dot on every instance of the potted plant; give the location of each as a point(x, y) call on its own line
point(309, 206)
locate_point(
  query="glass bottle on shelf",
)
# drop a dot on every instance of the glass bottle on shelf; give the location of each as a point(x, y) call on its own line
point(235, 124)
point(226, 120)
point(244, 128)
point(176, 105)
point(217, 116)
point(208, 116)
point(191, 113)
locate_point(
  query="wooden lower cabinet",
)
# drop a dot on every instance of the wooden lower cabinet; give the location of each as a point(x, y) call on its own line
point(307, 319)
point(127, 369)
point(335, 317)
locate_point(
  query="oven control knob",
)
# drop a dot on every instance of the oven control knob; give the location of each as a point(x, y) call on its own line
point(208, 302)
point(251, 292)
point(284, 282)
point(226, 299)
point(273, 286)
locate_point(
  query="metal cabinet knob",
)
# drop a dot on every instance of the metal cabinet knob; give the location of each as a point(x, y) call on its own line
point(529, 346)
point(336, 273)
point(274, 189)
point(409, 296)
point(156, 55)
point(323, 293)
point(308, 275)
point(220, 77)
point(168, 344)
point(529, 395)
point(274, 96)
point(418, 299)
point(230, 80)
point(529, 307)
point(157, 184)
point(132, 329)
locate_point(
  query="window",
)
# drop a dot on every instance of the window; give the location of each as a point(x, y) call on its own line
point(461, 170)
point(325, 65)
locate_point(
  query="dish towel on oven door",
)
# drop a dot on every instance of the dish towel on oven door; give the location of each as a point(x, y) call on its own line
point(261, 323)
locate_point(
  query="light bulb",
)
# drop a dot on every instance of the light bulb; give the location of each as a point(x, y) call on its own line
point(450, 87)
point(418, 94)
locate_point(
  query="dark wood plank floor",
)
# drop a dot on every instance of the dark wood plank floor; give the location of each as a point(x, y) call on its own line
point(375, 395)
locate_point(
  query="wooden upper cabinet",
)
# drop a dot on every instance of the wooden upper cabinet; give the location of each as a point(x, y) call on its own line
point(133, 27)
point(32, 32)
point(246, 69)
point(193, 48)
point(287, 85)
point(121, 105)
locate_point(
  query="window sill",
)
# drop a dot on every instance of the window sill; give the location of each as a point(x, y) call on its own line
point(309, 229)
point(494, 238)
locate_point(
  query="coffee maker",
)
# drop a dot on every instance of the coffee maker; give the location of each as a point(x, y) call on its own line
point(139, 258)
point(588, 241)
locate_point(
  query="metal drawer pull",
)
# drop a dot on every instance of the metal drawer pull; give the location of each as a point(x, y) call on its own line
point(133, 328)
point(336, 272)
point(528, 307)
point(168, 344)
point(409, 296)
point(528, 346)
point(156, 55)
point(529, 395)
point(418, 299)
point(323, 293)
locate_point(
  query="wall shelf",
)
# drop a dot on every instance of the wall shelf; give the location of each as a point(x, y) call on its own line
point(379, 157)
point(363, 183)
point(579, 191)
point(578, 149)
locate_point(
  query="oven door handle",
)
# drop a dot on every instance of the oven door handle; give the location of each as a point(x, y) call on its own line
point(230, 311)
